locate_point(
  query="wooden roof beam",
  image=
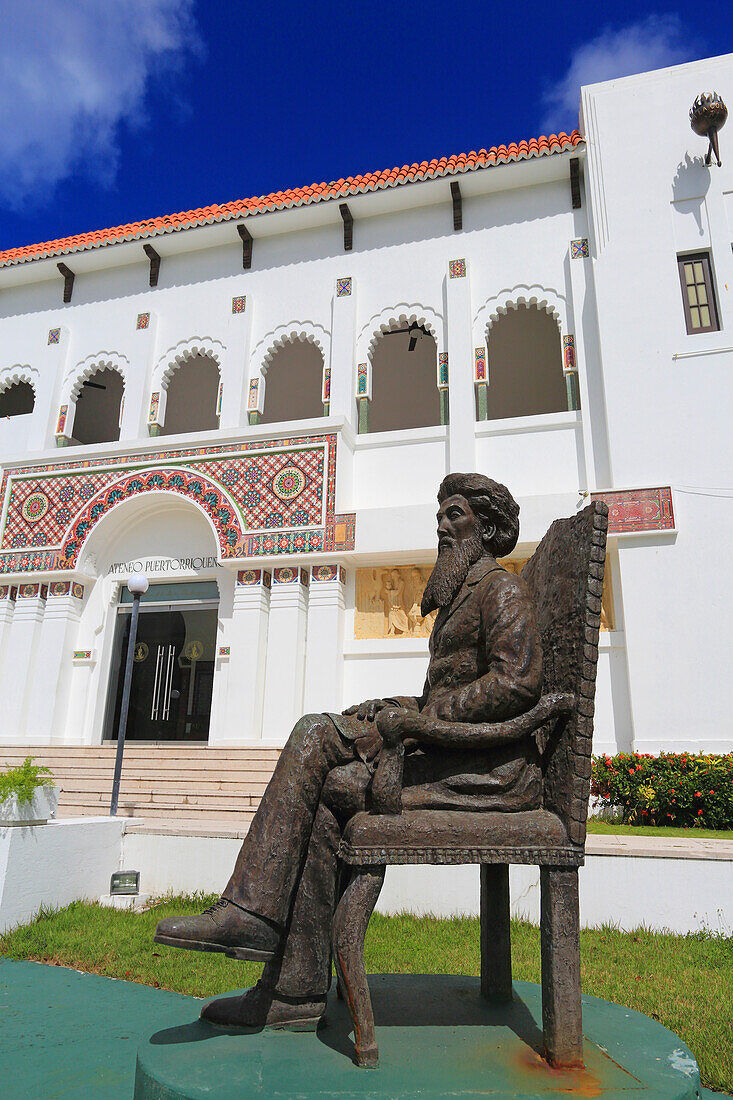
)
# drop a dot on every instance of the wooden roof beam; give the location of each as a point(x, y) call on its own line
point(247, 239)
point(455, 191)
point(68, 275)
point(348, 226)
point(154, 263)
point(575, 183)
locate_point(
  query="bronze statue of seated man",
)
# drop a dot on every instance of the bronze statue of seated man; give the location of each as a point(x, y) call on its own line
point(485, 666)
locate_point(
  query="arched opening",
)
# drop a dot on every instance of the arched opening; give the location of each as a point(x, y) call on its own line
point(17, 399)
point(525, 365)
point(294, 383)
point(193, 393)
point(404, 380)
point(97, 416)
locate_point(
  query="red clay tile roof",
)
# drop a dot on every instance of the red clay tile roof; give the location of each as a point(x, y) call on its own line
point(299, 196)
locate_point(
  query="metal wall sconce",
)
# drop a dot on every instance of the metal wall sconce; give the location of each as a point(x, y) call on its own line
point(708, 115)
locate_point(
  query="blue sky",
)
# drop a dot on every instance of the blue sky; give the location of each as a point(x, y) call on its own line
point(114, 112)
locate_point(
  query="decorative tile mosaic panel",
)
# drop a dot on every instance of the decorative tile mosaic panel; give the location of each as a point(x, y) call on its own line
point(361, 380)
point(262, 498)
point(457, 269)
point(479, 358)
point(154, 406)
point(224, 651)
point(59, 588)
point(254, 385)
point(143, 320)
point(82, 654)
point(29, 591)
point(249, 576)
point(321, 573)
point(77, 591)
point(579, 249)
point(568, 350)
point(343, 287)
point(443, 370)
point(285, 575)
point(632, 510)
point(54, 335)
point(61, 422)
point(304, 577)
point(239, 304)
point(326, 396)
point(8, 592)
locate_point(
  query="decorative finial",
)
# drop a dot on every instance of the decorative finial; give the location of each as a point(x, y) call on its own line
point(708, 114)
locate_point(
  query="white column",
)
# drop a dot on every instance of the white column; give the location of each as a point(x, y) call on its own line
point(590, 376)
point(136, 397)
point(343, 349)
point(51, 673)
point(16, 676)
point(246, 641)
point(285, 670)
point(235, 370)
point(324, 662)
point(459, 345)
point(8, 593)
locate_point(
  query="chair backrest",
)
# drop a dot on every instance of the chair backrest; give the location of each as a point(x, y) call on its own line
point(565, 578)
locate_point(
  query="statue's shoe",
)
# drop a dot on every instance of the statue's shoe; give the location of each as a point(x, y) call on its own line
point(260, 1008)
point(223, 927)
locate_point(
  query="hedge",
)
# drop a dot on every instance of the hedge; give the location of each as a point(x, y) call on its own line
point(681, 789)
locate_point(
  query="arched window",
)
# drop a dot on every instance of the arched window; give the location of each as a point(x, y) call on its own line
point(17, 399)
point(294, 385)
point(97, 416)
point(193, 393)
point(404, 380)
point(525, 365)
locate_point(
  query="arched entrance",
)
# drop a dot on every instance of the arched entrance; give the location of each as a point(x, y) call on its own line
point(171, 541)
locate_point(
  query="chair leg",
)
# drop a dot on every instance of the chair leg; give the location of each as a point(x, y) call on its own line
point(496, 946)
point(349, 931)
point(560, 944)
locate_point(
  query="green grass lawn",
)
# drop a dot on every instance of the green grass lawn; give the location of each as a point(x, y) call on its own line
point(659, 830)
point(685, 982)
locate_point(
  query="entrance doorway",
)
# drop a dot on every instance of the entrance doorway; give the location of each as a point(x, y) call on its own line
point(173, 669)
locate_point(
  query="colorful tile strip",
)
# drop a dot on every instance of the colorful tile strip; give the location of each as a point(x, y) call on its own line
point(568, 348)
point(224, 651)
point(154, 406)
point(82, 654)
point(479, 359)
point(361, 380)
point(631, 510)
point(326, 395)
point(443, 370)
point(254, 386)
point(61, 422)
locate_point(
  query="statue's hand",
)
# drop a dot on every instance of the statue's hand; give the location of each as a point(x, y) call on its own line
point(391, 723)
point(367, 710)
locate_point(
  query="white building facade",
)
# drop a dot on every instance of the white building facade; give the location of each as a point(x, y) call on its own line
point(254, 405)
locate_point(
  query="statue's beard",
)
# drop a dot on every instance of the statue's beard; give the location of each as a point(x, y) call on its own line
point(451, 569)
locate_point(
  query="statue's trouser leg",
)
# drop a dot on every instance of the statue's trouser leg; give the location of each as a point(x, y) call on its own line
point(303, 967)
point(273, 852)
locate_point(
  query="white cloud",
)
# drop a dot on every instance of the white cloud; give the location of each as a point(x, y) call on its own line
point(652, 43)
point(71, 73)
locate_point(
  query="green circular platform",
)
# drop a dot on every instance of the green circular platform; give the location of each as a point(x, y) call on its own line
point(437, 1039)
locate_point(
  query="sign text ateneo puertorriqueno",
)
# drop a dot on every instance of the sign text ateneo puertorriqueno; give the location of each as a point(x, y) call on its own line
point(164, 565)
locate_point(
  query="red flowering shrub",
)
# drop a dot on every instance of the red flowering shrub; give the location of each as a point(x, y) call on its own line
point(667, 789)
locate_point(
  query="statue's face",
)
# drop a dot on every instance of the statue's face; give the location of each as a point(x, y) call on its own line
point(456, 521)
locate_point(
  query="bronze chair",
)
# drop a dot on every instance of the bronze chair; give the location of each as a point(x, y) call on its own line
point(565, 577)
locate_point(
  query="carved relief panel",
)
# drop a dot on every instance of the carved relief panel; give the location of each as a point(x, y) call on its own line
point(388, 602)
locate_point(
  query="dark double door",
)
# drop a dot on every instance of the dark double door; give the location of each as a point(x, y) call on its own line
point(172, 675)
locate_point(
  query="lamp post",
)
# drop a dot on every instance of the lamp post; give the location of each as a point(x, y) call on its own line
point(137, 585)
